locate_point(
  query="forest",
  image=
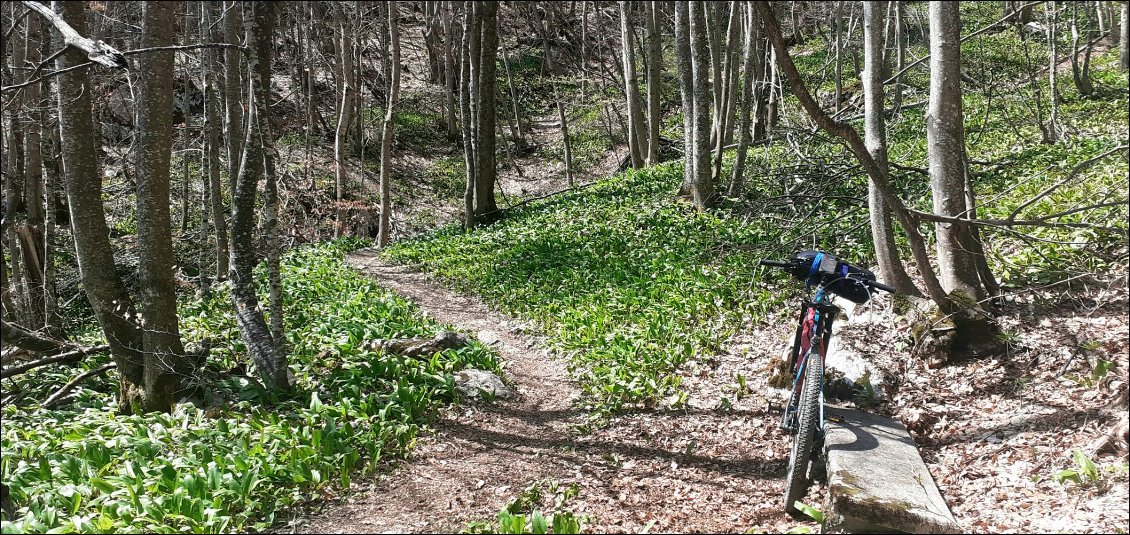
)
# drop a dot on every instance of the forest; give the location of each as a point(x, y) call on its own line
point(499, 267)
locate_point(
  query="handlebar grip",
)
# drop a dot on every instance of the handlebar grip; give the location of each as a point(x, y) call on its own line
point(880, 286)
point(774, 263)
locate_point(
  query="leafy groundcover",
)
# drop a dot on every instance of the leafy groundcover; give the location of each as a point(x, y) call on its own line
point(245, 456)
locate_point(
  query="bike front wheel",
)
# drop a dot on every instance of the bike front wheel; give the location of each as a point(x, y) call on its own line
point(808, 415)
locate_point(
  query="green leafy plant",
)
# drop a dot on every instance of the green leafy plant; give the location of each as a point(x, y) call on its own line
point(1085, 471)
point(236, 464)
point(522, 515)
point(1098, 372)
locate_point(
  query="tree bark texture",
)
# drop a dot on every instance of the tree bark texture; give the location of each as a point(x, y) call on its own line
point(636, 137)
point(945, 141)
point(702, 192)
point(466, 118)
point(213, 131)
point(686, 92)
point(269, 363)
point(387, 125)
point(654, 79)
point(484, 182)
point(875, 131)
point(113, 308)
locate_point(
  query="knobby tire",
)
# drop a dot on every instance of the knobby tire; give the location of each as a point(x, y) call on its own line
point(807, 420)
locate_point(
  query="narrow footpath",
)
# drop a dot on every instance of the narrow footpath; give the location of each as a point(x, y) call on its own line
point(697, 468)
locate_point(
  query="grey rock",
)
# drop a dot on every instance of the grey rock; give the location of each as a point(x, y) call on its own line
point(877, 481)
point(475, 383)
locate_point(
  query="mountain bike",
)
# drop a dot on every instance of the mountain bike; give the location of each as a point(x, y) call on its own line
point(803, 414)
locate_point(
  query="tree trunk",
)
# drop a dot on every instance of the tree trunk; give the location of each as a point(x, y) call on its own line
point(213, 130)
point(1051, 133)
point(233, 89)
point(1124, 40)
point(112, 306)
point(1080, 72)
point(34, 256)
point(900, 51)
point(945, 143)
point(654, 78)
point(165, 363)
point(882, 234)
point(737, 181)
point(449, 71)
point(636, 137)
point(466, 116)
point(564, 135)
point(386, 127)
point(702, 192)
point(269, 362)
point(686, 91)
point(838, 25)
point(344, 112)
point(488, 61)
point(515, 120)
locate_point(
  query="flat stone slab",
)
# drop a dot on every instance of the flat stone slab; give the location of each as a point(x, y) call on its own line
point(877, 480)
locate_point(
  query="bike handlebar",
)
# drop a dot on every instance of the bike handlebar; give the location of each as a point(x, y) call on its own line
point(784, 264)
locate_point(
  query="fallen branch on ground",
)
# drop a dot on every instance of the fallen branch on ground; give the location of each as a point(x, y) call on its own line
point(68, 357)
point(55, 399)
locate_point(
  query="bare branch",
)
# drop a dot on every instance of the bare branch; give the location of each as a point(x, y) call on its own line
point(54, 399)
point(1070, 176)
point(919, 61)
point(68, 357)
point(31, 341)
point(98, 51)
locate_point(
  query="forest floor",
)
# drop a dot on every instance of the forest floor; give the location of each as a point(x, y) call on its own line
point(655, 470)
point(997, 432)
point(994, 432)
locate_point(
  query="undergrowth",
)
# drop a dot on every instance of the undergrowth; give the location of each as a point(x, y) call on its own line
point(628, 281)
point(235, 464)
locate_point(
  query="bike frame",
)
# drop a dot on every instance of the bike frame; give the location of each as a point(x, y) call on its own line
point(814, 328)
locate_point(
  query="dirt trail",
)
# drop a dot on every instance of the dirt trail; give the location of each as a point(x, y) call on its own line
point(478, 453)
point(692, 469)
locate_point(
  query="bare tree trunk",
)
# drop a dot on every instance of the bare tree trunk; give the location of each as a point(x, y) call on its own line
point(564, 136)
point(213, 129)
point(233, 88)
point(166, 366)
point(1124, 40)
point(654, 78)
point(449, 70)
point(344, 112)
point(516, 120)
point(488, 61)
point(387, 126)
point(1080, 73)
point(900, 51)
point(686, 91)
point(838, 26)
point(1051, 133)
point(875, 131)
point(702, 193)
point(946, 147)
point(1115, 18)
point(112, 305)
point(721, 134)
point(33, 190)
point(750, 70)
point(270, 362)
point(467, 116)
point(636, 138)
point(186, 179)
